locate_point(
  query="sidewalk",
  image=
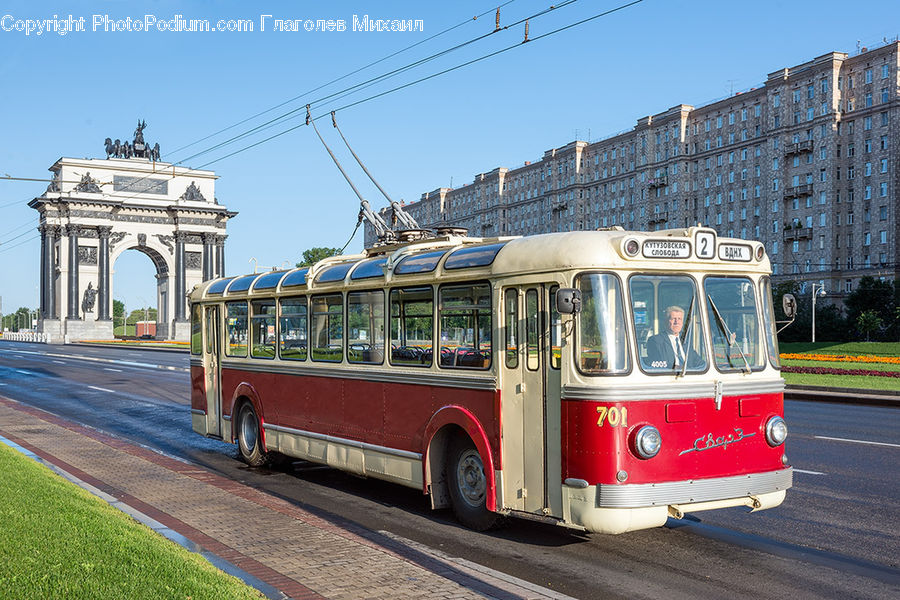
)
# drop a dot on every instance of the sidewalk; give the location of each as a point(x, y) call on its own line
point(278, 547)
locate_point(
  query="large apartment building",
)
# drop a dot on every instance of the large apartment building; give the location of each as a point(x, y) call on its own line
point(807, 163)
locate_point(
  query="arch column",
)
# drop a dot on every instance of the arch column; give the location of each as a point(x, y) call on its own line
point(72, 232)
point(220, 255)
point(103, 299)
point(180, 238)
point(209, 240)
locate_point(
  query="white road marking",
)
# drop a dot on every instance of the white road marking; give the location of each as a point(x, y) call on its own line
point(24, 372)
point(59, 362)
point(100, 389)
point(807, 472)
point(109, 369)
point(834, 439)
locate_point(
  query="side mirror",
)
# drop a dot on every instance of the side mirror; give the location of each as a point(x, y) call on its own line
point(789, 305)
point(568, 301)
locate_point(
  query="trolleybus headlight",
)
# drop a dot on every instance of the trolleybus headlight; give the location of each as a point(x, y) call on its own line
point(647, 441)
point(759, 252)
point(631, 247)
point(776, 431)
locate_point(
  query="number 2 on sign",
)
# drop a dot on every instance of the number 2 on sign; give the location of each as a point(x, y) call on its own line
point(615, 416)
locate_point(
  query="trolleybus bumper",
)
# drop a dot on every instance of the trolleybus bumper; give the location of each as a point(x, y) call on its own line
point(607, 508)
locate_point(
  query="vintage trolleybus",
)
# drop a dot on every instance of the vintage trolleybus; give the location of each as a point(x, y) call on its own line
point(602, 380)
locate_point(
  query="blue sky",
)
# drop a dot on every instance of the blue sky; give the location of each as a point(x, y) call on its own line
point(62, 95)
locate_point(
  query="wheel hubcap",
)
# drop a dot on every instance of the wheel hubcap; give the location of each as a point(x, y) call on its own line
point(248, 431)
point(470, 477)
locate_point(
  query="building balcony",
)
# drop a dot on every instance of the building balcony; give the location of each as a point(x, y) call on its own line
point(660, 217)
point(559, 206)
point(798, 191)
point(798, 148)
point(658, 182)
point(798, 233)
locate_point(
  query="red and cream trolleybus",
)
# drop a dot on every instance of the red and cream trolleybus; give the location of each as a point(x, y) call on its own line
point(602, 380)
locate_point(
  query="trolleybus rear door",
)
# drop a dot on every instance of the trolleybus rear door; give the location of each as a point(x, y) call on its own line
point(212, 372)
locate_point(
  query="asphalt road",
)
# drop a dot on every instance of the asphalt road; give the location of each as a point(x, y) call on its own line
point(835, 535)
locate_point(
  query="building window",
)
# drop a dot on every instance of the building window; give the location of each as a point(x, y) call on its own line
point(882, 236)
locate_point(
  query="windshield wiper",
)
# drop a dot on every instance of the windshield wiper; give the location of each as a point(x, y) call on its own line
point(727, 333)
point(684, 336)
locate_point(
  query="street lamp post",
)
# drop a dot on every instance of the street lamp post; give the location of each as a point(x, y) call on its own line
point(818, 289)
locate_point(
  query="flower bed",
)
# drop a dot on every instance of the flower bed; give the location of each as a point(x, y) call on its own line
point(895, 360)
point(834, 371)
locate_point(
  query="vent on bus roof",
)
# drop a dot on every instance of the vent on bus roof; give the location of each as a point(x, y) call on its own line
point(473, 256)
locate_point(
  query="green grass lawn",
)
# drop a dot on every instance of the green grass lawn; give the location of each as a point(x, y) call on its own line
point(59, 541)
point(843, 381)
point(847, 348)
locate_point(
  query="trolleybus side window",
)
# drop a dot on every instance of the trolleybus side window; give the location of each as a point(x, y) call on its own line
point(668, 323)
point(734, 322)
point(262, 329)
point(236, 313)
point(602, 341)
point(327, 328)
point(555, 331)
point(365, 327)
point(412, 326)
point(196, 329)
point(465, 318)
point(765, 286)
point(292, 330)
point(511, 330)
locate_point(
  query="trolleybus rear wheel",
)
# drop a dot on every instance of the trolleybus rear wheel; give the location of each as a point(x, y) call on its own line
point(249, 441)
point(468, 486)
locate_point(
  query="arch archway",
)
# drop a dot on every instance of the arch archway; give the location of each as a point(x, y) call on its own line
point(139, 278)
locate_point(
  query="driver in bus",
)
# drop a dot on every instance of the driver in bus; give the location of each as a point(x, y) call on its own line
point(665, 350)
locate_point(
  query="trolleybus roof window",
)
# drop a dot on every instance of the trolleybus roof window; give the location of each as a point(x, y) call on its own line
point(241, 284)
point(295, 278)
point(334, 273)
point(269, 280)
point(477, 256)
point(419, 263)
point(217, 287)
point(374, 267)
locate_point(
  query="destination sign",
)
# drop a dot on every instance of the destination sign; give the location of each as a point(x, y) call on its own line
point(735, 252)
point(667, 249)
point(140, 185)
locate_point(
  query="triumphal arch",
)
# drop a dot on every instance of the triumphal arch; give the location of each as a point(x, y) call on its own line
point(97, 208)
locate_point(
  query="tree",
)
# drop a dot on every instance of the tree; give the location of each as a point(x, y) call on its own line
point(871, 295)
point(314, 255)
point(868, 322)
point(21, 319)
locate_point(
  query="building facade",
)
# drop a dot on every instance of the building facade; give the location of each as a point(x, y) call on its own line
point(807, 163)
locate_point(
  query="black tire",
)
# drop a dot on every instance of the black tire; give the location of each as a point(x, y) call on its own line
point(248, 438)
point(468, 486)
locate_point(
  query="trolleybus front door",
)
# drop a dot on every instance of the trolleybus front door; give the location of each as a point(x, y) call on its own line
point(524, 431)
point(212, 372)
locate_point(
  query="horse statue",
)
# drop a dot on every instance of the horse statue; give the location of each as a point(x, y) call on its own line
point(154, 153)
point(111, 149)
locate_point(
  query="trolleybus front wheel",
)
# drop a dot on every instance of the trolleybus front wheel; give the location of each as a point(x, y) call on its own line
point(249, 441)
point(468, 486)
